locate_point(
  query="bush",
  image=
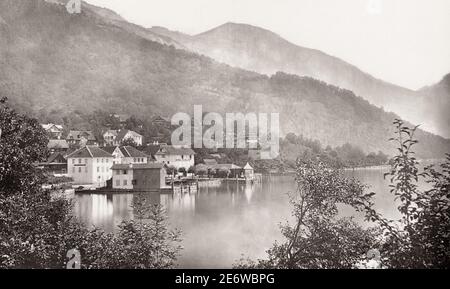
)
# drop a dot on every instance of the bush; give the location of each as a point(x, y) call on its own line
point(37, 231)
point(319, 238)
point(421, 238)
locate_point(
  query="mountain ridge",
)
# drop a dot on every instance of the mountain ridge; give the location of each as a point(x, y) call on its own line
point(58, 67)
point(263, 51)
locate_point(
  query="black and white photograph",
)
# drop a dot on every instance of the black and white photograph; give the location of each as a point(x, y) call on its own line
point(246, 136)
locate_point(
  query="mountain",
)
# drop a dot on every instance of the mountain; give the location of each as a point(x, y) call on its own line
point(435, 101)
point(114, 19)
point(57, 67)
point(260, 50)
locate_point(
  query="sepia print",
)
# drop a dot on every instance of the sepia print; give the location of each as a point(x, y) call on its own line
point(224, 134)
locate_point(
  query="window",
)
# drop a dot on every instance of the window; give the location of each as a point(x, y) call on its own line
point(79, 169)
point(118, 183)
point(107, 161)
point(134, 182)
point(134, 160)
point(125, 172)
point(98, 169)
point(125, 182)
point(79, 161)
point(73, 161)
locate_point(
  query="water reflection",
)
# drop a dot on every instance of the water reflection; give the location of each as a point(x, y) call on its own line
point(221, 223)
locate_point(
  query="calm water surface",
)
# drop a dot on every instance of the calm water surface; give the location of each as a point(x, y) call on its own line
point(221, 224)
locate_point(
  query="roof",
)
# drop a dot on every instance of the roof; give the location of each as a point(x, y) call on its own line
point(50, 125)
point(137, 166)
point(90, 152)
point(171, 150)
point(210, 161)
point(110, 150)
point(248, 167)
point(57, 144)
point(69, 152)
point(78, 134)
point(225, 167)
point(122, 133)
point(111, 131)
point(151, 149)
point(56, 158)
point(159, 118)
point(219, 166)
point(131, 152)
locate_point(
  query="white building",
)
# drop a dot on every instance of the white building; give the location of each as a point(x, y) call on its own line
point(127, 155)
point(54, 131)
point(117, 137)
point(90, 165)
point(176, 157)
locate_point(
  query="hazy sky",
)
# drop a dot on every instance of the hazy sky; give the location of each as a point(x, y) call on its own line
point(406, 42)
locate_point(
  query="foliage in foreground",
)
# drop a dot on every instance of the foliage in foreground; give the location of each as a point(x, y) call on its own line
point(37, 231)
point(319, 239)
point(421, 238)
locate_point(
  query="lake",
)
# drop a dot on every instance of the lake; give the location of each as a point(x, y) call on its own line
point(221, 224)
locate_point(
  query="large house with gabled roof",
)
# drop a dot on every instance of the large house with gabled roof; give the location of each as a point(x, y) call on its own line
point(57, 145)
point(54, 131)
point(81, 138)
point(127, 155)
point(118, 137)
point(90, 165)
point(177, 157)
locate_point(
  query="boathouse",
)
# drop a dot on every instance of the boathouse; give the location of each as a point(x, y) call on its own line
point(139, 177)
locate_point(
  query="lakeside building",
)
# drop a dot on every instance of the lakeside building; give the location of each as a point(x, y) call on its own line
point(90, 165)
point(56, 164)
point(177, 157)
point(249, 172)
point(209, 167)
point(139, 177)
point(118, 137)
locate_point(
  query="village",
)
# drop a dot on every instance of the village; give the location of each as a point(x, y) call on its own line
point(122, 162)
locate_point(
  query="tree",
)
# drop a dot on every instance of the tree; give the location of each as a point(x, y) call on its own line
point(170, 170)
point(37, 230)
point(319, 238)
point(201, 170)
point(421, 238)
point(183, 171)
point(129, 142)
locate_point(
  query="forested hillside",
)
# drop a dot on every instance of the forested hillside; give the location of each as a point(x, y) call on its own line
point(60, 67)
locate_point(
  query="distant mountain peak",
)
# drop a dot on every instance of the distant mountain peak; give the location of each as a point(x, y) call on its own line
point(446, 79)
point(242, 28)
